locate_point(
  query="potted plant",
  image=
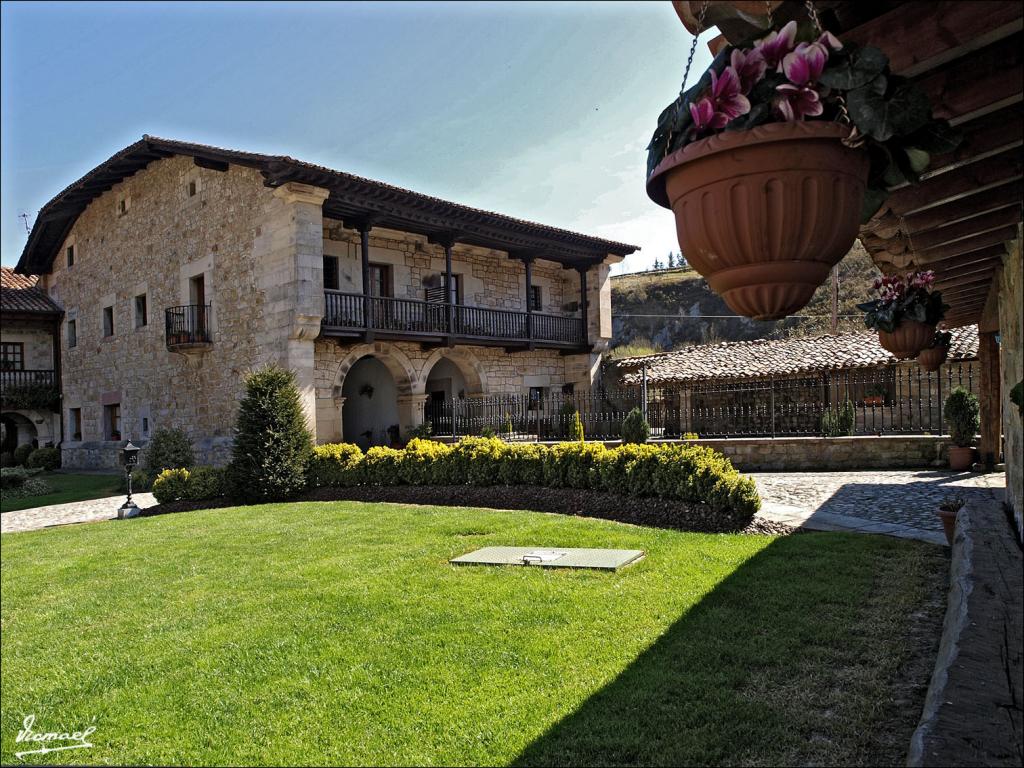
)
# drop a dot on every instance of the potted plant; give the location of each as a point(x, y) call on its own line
point(905, 313)
point(948, 509)
point(778, 153)
point(874, 395)
point(932, 358)
point(962, 419)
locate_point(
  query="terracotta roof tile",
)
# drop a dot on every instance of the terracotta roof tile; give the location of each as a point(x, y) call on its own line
point(780, 357)
point(19, 293)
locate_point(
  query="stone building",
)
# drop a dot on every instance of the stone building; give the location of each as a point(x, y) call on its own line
point(180, 267)
point(29, 364)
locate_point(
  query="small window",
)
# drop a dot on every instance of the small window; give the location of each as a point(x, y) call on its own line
point(108, 322)
point(71, 256)
point(122, 206)
point(535, 299)
point(75, 423)
point(112, 421)
point(380, 280)
point(331, 281)
point(141, 316)
point(72, 334)
point(12, 356)
point(145, 426)
point(192, 188)
point(568, 389)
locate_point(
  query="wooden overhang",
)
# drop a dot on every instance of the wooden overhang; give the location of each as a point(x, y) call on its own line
point(967, 56)
point(354, 200)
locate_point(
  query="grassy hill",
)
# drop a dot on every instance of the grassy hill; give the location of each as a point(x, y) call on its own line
point(672, 308)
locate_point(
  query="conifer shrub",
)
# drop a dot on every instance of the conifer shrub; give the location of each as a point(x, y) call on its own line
point(635, 428)
point(169, 448)
point(272, 447)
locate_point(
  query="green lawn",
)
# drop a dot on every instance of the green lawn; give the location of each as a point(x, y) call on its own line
point(337, 633)
point(68, 487)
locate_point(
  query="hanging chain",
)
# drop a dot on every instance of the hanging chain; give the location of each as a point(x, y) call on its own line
point(854, 139)
point(768, 13)
point(689, 62)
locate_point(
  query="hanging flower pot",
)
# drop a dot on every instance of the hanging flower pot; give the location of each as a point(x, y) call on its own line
point(907, 340)
point(905, 313)
point(765, 214)
point(932, 358)
point(775, 157)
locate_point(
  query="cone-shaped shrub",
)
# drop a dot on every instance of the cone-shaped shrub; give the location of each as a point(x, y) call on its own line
point(272, 445)
point(576, 429)
point(635, 428)
point(962, 416)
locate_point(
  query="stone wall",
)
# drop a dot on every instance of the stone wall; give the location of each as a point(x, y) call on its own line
point(832, 453)
point(165, 237)
point(1011, 340)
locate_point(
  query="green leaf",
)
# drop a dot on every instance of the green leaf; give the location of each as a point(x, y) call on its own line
point(918, 159)
point(937, 137)
point(908, 109)
point(862, 66)
point(868, 109)
point(882, 114)
point(874, 197)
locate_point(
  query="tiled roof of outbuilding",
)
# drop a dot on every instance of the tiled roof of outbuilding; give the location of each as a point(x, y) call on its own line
point(779, 357)
point(19, 293)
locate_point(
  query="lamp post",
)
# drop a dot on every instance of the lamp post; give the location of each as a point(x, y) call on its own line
point(130, 458)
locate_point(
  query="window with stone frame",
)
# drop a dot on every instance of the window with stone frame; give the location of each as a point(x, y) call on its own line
point(112, 421)
point(70, 253)
point(141, 311)
point(535, 303)
point(72, 334)
point(536, 398)
point(75, 423)
point(12, 356)
point(108, 322)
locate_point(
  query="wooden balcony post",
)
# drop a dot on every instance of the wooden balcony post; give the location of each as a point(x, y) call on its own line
point(448, 303)
point(528, 262)
point(988, 400)
point(364, 256)
point(583, 304)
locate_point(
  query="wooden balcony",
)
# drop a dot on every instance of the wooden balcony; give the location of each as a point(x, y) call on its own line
point(187, 328)
point(354, 315)
point(45, 379)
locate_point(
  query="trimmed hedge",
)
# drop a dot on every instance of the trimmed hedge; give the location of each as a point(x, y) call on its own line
point(21, 454)
point(43, 458)
point(689, 473)
point(199, 484)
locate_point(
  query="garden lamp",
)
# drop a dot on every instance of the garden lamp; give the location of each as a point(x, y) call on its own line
point(130, 459)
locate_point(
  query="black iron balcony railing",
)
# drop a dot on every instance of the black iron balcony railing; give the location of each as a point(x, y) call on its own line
point(412, 317)
point(29, 378)
point(188, 325)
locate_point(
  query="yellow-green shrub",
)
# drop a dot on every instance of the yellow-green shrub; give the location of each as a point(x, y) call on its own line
point(523, 464)
point(380, 466)
point(335, 465)
point(425, 462)
point(171, 485)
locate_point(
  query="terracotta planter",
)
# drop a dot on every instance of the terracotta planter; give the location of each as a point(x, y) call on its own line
point(765, 214)
point(931, 359)
point(960, 458)
point(948, 524)
point(909, 338)
point(874, 400)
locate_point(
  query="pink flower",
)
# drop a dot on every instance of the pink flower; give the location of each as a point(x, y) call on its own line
point(774, 47)
point(749, 67)
point(797, 102)
point(704, 117)
point(725, 92)
point(830, 41)
point(804, 65)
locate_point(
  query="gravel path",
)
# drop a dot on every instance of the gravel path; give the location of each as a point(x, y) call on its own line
point(66, 514)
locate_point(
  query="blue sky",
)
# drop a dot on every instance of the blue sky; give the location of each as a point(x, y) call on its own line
point(540, 111)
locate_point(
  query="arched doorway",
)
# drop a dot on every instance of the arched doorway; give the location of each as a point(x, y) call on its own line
point(15, 430)
point(445, 384)
point(370, 414)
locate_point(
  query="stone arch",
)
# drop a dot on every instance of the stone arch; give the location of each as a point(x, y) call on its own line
point(394, 359)
point(26, 426)
point(467, 363)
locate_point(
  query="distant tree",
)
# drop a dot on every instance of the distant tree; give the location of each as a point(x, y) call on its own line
point(657, 265)
point(682, 262)
point(671, 260)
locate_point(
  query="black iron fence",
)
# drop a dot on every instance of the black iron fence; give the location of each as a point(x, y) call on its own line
point(890, 400)
point(187, 324)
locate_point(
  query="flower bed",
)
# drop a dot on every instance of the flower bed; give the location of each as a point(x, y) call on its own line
point(684, 473)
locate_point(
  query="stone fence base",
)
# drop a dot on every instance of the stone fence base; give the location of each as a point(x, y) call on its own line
point(833, 453)
point(106, 454)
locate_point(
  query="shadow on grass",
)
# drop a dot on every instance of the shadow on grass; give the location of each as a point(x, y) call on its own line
point(796, 658)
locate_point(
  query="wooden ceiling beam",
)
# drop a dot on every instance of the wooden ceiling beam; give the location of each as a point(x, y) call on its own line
point(968, 228)
point(941, 32)
point(984, 137)
point(993, 253)
point(961, 90)
point(993, 199)
point(968, 271)
point(948, 251)
point(948, 187)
